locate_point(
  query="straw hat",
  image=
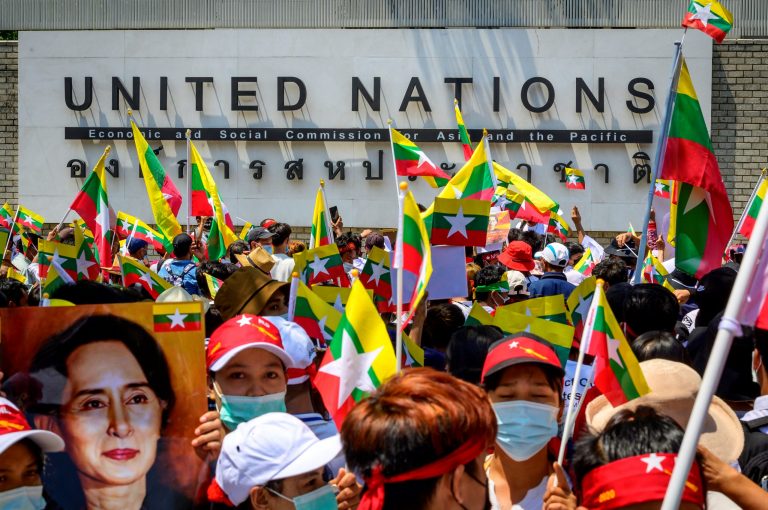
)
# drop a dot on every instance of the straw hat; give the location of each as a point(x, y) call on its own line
point(674, 387)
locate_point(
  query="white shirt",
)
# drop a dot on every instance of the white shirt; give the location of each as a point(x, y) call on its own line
point(283, 267)
point(533, 499)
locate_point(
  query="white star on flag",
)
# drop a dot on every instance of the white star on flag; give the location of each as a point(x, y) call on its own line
point(458, 223)
point(583, 307)
point(125, 225)
point(352, 368)
point(150, 235)
point(318, 266)
point(337, 304)
point(613, 351)
point(659, 187)
point(423, 159)
point(177, 319)
point(703, 13)
point(83, 265)
point(377, 271)
point(147, 278)
point(697, 196)
point(321, 323)
point(26, 220)
point(244, 321)
point(654, 462)
point(513, 345)
point(102, 219)
point(58, 259)
point(573, 179)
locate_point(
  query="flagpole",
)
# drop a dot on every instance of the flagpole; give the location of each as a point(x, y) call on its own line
point(403, 187)
point(133, 232)
point(189, 183)
point(570, 417)
point(394, 161)
point(292, 295)
point(661, 148)
point(729, 328)
point(63, 219)
point(10, 232)
point(489, 159)
point(746, 208)
point(326, 213)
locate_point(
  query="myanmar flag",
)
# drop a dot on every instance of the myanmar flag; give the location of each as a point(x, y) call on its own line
point(359, 359)
point(321, 233)
point(376, 274)
point(586, 263)
point(214, 284)
point(662, 188)
point(92, 204)
point(655, 272)
point(579, 303)
point(617, 373)
point(131, 226)
point(322, 264)
point(6, 216)
point(28, 220)
point(704, 219)
point(710, 17)
point(475, 179)
point(221, 235)
point(466, 144)
point(415, 260)
point(551, 308)
point(164, 198)
point(177, 317)
point(318, 318)
point(134, 271)
point(533, 195)
point(55, 277)
point(411, 161)
point(460, 222)
point(63, 255)
point(574, 178)
point(88, 267)
point(478, 316)
point(202, 198)
point(747, 222)
point(244, 231)
point(559, 335)
point(558, 226)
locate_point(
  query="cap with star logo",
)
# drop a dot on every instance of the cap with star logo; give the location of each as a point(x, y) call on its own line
point(244, 332)
point(517, 349)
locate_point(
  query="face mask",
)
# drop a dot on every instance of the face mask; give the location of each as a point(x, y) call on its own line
point(323, 498)
point(524, 427)
point(235, 410)
point(23, 498)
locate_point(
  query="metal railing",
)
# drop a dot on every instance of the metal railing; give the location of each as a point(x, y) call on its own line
point(751, 16)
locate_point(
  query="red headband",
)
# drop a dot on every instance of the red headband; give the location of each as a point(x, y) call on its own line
point(349, 247)
point(636, 480)
point(373, 498)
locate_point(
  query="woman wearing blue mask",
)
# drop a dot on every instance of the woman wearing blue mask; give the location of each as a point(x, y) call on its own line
point(247, 365)
point(21, 459)
point(524, 380)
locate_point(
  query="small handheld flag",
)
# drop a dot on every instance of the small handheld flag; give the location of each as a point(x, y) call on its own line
point(710, 17)
point(574, 178)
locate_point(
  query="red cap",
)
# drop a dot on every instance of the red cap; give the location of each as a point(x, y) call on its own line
point(518, 256)
point(244, 332)
point(520, 348)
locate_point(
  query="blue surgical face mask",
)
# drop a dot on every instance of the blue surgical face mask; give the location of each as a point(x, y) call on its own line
point(234, 410)
point(323, 498)
point(524, 427)
point(23, 498)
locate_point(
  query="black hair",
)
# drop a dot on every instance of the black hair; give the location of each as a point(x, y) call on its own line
point(281, 231)
point(88, 292)
point(650, 307)
point(374, 239)
point(3, 300)
point(439, 324)
point(627, 434)
point(616, 295)
point(514, 234)
point(55, 352)
point(613, 271)
point(467, 350)
point(14, 290)
point(533, 239)
point(659, 345)
point(218, 270)
point(356, 239)
point(553, 376)
point(237, 248)
point(487, 276)
point(715, 289)
point(574, 249)
point(182, 244)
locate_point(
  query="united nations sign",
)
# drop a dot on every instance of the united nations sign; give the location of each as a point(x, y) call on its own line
point(274, 111)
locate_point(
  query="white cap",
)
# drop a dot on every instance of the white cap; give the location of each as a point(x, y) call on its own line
point(273, 446)
point(555, 254)
point(299, 347)
point(14, 427)
point(518, 285)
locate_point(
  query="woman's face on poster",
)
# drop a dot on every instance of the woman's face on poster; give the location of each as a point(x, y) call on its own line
point(110, 418)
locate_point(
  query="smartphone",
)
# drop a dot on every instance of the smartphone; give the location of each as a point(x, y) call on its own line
point(334, 213)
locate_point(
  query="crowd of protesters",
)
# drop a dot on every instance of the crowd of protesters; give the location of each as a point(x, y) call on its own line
point(478, 427)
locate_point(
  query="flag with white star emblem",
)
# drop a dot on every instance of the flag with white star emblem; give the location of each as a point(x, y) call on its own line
point(377, 277)
point(460, 222)
point(87, 266)
point(617, 372)
point(65, 255)
point(579, 302)
point(177, 317)
point(134, 272)
point(359, 359)
point(710, 17)
point(704, 219)
point(559, 335)
point(411, 161)
point(574, 178)
point(320, 265)
point(92, 204)
point(131, 226)
point(662, 188)
point(28, 220)
point(6, 216)
point(551, 308)
point(318, 318)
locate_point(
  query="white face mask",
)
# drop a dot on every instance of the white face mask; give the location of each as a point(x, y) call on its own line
point(23, 498)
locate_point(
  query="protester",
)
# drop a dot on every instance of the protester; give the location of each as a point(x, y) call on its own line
point(554, 258)
point(524, 381)
point(612, 271)
point(218, 270)
point(16, 292)
point(419, 442)
point(518, 287)
point(260, 237)
point(181, 270)
point(250, 290)
point(284, 264)
point(137, 249)
point(467, 350)
point(238, 247)
point(488, 291)
point(22, 459)
point(275, 462)
point(649, 307)
point(347, 250)
point(518, 256)
point(659, 345)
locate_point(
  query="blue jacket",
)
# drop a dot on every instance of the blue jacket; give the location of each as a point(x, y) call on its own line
point(177, 268)
point(551, 284)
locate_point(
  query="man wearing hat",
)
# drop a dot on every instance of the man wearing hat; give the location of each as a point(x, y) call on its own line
point(518, 256)
point(251, 290)
point(137, 249)
point(275, 462)
point(259, 237)
point(554, 257)
point(180, 270)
